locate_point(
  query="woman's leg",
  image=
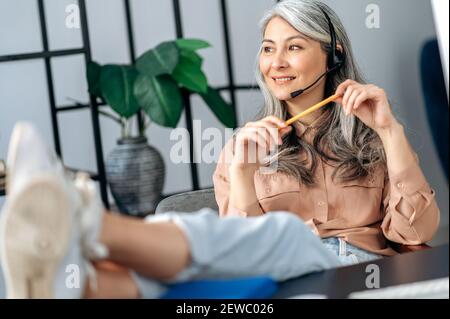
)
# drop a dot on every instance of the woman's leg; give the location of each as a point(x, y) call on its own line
point(178, 247)
point(156, 250)
point(278, 245)
point(112, 282)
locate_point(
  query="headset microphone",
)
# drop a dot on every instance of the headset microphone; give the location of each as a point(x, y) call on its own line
point(298, 92)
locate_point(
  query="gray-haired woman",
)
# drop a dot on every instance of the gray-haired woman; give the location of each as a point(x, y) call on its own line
point(347, 169)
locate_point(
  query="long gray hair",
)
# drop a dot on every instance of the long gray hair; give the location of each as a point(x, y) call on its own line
point(354, 149)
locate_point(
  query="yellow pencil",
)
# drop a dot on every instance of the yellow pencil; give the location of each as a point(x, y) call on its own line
point(312, 109)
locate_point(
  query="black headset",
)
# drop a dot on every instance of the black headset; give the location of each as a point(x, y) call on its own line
point(335, 58)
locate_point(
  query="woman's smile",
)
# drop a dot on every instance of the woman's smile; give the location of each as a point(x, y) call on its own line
point(283, 80)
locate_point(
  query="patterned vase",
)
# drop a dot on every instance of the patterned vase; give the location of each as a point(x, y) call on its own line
point(135, 173)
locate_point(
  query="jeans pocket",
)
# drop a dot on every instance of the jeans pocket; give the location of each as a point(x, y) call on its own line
point(354, 258)
point(363, 256)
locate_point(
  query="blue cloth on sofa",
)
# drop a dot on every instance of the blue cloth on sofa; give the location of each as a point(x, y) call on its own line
point(242, 288)
point(436, 102)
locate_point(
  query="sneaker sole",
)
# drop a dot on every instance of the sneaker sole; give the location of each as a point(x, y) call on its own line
point(36, 228)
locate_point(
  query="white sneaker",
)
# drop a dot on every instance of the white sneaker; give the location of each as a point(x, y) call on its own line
point(43, 222)
point(90, 218)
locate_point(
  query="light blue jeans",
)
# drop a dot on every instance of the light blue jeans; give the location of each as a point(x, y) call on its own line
point(278, 244)
point(347, 253)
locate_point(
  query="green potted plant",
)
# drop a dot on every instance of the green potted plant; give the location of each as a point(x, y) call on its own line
point(151, 86)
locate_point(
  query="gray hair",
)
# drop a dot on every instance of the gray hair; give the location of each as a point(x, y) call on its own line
point(355, 148)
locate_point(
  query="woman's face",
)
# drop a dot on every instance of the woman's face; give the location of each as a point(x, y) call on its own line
point(289, 60)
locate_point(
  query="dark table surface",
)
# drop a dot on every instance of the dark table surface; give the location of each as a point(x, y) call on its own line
point(339, 283)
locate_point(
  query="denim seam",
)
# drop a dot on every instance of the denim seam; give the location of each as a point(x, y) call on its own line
point(342, 247)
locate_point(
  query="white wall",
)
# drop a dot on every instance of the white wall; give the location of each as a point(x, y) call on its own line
point(388, 56)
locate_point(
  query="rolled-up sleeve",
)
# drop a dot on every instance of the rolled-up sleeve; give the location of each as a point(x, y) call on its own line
point(411, 212)
point(221, 180)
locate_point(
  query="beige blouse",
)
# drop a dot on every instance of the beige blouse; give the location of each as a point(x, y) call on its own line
point(364, 212)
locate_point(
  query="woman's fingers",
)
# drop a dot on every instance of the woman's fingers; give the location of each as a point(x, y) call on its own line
point(266, 134)
point(361, 98)
point(268, 131)
point(278, 125)
point(343, 87)
point(271, 123)
point(349, 91)
point(339, 100)
point(255, 147)
point(258, 136)
point(277, 122)
point(272, 129)
point(346, 97)
point(351, 101)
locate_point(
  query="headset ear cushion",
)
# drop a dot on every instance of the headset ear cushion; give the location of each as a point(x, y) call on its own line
point(339, 58)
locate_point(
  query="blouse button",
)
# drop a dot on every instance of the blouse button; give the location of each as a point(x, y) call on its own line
point(320, 203)
point(268, 190)
point(400, 185)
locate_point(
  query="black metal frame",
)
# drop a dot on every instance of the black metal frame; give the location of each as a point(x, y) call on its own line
point(47, 54)
point(93, 104)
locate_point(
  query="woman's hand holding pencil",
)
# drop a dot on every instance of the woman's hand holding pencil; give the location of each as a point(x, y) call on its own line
point(257, 139)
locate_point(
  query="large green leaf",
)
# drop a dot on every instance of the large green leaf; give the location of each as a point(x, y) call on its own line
point(192, 56)
point(224, 112)
point(161, 60)
point(93, 78)
point(189, 74)
point(116, 84)
point(192, 44)
point(160, 98)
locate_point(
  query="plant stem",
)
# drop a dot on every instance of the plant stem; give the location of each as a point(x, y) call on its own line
point(147, 123)
point(123, 127)
point(127, 130)
point(112, 117)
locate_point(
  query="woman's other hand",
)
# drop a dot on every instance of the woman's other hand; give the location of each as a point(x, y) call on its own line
point(367, 102)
